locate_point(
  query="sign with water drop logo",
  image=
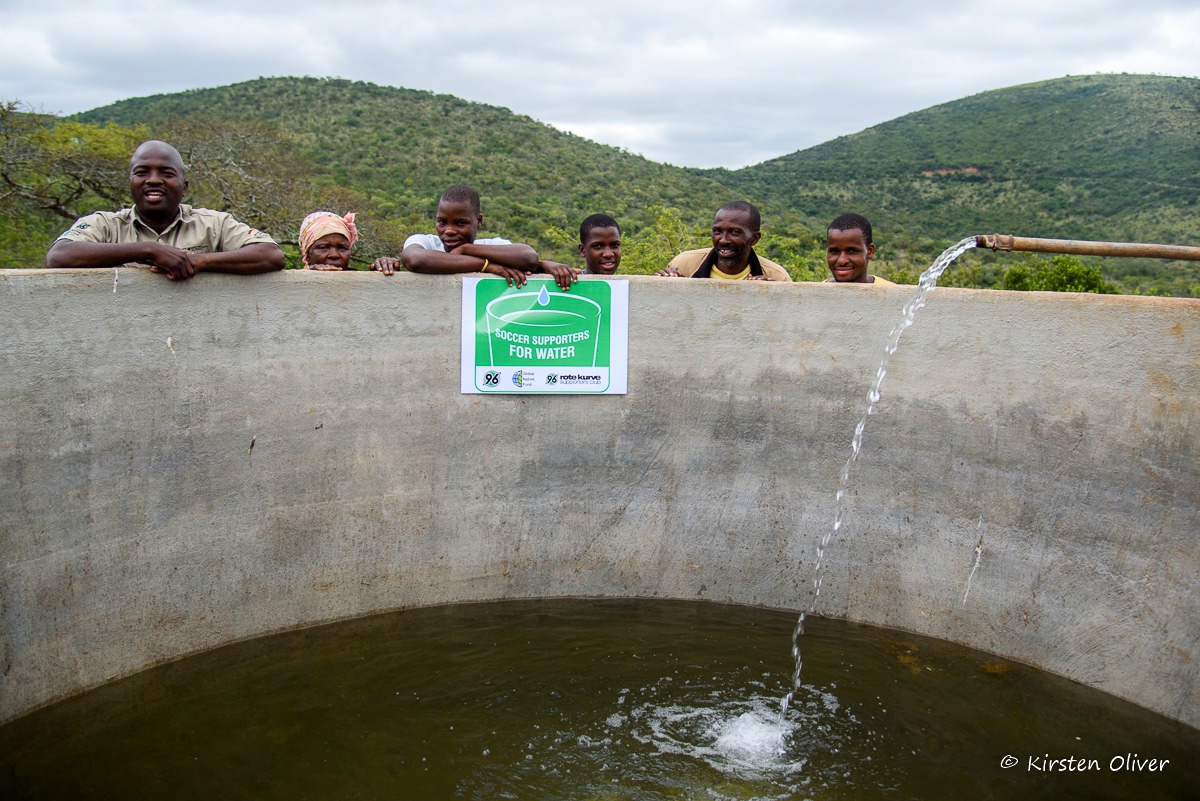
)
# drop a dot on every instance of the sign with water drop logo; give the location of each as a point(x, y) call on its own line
point(538, 339)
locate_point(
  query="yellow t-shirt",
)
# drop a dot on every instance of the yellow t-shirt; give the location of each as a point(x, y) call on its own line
point(726, 277)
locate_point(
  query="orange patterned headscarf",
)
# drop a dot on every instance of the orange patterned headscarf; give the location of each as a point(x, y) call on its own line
point(322, 223)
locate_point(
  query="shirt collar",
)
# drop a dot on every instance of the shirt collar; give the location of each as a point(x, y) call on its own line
point(184, 209)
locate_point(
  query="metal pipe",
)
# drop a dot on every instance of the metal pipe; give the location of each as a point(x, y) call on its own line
point(1084, 248)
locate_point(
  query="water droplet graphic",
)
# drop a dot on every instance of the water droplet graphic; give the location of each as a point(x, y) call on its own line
point(544, 297)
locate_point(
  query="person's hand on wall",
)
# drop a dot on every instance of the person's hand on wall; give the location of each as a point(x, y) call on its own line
point(563, 275)
point(386, 265)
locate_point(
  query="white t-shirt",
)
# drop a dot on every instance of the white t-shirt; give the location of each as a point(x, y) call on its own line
point(432, 242)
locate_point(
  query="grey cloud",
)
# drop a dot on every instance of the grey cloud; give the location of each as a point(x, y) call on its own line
point(690, 83)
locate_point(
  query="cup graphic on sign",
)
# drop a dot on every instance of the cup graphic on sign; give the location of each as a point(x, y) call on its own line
point(543, 329)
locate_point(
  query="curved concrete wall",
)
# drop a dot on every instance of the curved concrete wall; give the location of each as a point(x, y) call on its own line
point(184, 465)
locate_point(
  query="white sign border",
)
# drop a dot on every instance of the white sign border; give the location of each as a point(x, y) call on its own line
point(618, 346)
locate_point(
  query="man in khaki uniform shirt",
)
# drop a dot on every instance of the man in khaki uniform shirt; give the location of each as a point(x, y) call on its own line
point(734, 233)
point(163, 233)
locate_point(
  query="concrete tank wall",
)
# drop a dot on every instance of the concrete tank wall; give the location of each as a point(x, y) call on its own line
point(187, 464)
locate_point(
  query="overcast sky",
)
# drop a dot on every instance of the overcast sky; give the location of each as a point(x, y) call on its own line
point(693, 83)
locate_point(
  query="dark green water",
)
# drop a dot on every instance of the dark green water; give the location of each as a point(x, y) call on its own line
point(613, 699)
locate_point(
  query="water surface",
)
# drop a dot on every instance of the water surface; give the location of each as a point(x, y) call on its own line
point(612, 699)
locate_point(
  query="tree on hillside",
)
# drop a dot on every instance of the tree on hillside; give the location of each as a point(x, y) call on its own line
point(652, 248)
point(803, 256)
point(246, 168)
point(1058, 274)
point(52, 172)
point(62, 168)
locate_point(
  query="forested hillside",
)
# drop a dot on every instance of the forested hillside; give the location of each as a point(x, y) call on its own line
point(1098, 157)
point(1107, 157)
point(398, 148)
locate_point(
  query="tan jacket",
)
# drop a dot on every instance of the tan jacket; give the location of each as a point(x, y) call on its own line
point(690, 262)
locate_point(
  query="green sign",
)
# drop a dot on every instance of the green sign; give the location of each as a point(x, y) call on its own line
point(539, 339)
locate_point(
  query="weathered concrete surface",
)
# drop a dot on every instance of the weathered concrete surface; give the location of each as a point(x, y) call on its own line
point(184, 465)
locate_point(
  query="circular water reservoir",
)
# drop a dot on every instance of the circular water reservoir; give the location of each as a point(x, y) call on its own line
point(611, 699)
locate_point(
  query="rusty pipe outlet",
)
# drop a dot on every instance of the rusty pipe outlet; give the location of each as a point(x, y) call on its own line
point(1008, 242)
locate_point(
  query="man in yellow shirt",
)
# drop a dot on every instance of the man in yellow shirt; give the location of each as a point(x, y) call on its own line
point(735, 231)
point(849, 250)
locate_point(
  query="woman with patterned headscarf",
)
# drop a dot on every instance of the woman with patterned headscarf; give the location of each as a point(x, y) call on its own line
point(326, 240)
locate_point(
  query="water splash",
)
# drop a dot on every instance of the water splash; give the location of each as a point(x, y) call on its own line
point(740, 737)
point(753, 737)
point(927, 282)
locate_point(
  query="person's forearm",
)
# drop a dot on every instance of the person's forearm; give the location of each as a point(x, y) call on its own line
point(260, 257)
point(519, 257)
point(66, 253)
point(422, 260)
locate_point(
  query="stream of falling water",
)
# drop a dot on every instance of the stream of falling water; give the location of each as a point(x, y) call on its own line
point(927, 282)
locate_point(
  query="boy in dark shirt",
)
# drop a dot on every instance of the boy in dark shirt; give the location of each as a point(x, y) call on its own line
point(600, 245)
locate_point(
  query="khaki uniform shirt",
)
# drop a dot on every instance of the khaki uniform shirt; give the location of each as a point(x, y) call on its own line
point(194, 230)
point(689, 261)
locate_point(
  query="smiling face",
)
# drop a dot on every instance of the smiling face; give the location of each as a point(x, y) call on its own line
point(733, 236)
point(157, 183)
point(457, 223)
point(847, 255)
point(331, 250)
point(601, 250)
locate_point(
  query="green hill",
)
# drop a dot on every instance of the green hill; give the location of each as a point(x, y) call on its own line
point(1094, 155)
point(1112, 157)
point(400, 147)
point(1108, 157)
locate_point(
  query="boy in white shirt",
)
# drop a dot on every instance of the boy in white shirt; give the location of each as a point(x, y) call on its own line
point(455, 249)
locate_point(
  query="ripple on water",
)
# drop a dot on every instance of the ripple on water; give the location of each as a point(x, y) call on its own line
point(729, 744)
